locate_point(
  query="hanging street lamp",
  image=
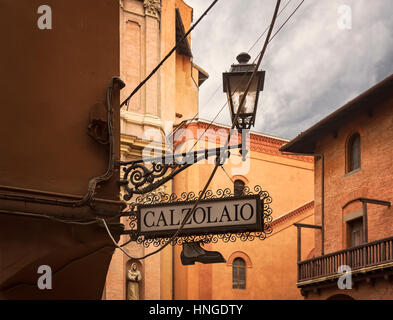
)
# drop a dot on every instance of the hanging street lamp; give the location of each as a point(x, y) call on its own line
point(140, 177)
point(242, 85)
point(235, 84)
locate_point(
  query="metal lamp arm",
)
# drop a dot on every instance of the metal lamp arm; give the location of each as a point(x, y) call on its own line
point(140, 179)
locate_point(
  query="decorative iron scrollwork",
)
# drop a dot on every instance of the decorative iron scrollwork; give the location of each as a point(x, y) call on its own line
point(144, 176)
point(151, 198)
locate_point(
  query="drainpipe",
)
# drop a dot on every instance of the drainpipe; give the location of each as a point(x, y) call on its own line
point(321, 156)
point(173, 255)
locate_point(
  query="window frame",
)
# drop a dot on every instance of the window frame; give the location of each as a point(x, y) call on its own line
point(355, 224)
point(236, 194)
point(237, 281)
point(351, 153)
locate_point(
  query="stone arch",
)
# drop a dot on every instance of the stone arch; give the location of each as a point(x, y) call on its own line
point(239, 254)
point(239, 183)
point(242, 178)
point(361, 192)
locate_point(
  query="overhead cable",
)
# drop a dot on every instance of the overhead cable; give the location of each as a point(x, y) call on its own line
point(218, 161)
point(126, 101)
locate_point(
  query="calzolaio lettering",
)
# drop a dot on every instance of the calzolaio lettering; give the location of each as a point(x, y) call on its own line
point(210, 214)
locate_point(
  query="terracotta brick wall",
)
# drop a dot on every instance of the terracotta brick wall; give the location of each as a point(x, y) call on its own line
point(373, 180)
point(378, 290)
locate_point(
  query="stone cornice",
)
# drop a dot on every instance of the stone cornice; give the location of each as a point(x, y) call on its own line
point(152, 8)
point(132, 146)
point(293, 213)
point(258, 142)
point(141, 119)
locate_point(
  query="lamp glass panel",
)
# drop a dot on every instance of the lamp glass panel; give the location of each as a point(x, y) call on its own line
point(248, 105)
point(238, 85)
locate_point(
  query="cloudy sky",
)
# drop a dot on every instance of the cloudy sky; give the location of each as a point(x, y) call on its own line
point(313, 66)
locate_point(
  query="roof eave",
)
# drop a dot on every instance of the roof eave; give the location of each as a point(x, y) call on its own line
point(305, 142)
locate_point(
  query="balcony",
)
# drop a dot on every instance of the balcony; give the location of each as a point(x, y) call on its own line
point(363, 259)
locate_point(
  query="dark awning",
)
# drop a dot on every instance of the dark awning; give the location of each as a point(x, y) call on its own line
point(183, 46)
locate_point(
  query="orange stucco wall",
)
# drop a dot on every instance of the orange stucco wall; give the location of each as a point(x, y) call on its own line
point(273, 275)
point(289, 180)
point(271, 271)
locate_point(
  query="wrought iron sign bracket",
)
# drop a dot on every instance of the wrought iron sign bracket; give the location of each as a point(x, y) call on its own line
point(145, 175)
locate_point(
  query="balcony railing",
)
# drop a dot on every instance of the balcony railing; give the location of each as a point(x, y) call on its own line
point(366, 255)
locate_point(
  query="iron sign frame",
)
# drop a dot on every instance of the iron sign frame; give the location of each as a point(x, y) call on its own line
point(204, 237)
point(258, 226)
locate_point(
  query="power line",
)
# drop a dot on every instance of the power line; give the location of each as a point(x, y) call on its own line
point(279, 29)
point(53, 218)
point(290, 16)
point(214, 93)
point(126, 101)
point(218, 161)
point(92, 185)
point(262, 34)
point(242, 81)
point(218, 88)
point(94, 221)
point(223, 169)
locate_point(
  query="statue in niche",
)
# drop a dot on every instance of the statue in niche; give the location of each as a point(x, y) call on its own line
point(133, 278)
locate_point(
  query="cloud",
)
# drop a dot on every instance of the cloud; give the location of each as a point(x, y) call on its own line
point(312, 67)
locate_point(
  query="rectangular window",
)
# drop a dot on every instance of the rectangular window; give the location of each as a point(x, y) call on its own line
point(355, 232)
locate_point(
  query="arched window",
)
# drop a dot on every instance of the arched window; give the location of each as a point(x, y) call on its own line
point(238, 188)
point(353, 153)
point(239, 274)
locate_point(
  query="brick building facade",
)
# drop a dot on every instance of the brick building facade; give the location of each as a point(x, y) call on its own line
point(353, 195)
